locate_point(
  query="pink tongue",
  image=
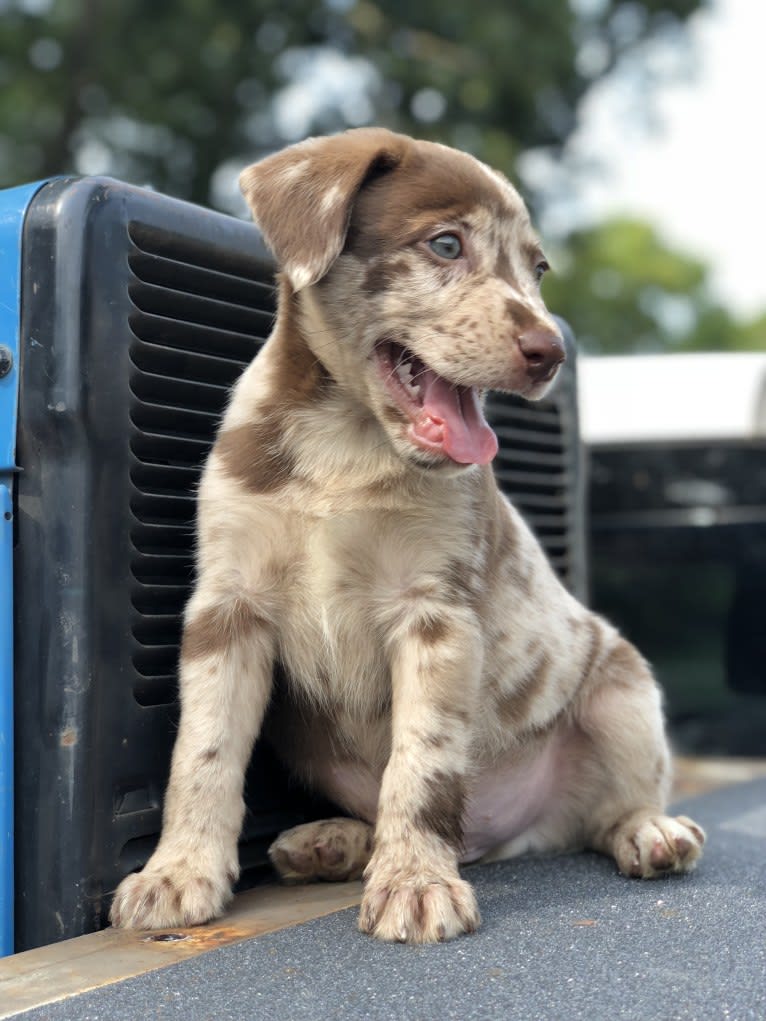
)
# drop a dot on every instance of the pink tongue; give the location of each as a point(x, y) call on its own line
point(451, 419)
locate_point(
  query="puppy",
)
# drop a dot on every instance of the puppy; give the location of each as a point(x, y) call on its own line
point(438, 682)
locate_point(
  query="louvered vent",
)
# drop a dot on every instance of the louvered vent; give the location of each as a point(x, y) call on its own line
point(197, 320)
point(535, 468)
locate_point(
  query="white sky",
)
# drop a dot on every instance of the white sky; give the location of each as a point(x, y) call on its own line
point(700, 176)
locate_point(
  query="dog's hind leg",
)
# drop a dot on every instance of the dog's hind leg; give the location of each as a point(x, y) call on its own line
point(330, 849)
point(627, 769)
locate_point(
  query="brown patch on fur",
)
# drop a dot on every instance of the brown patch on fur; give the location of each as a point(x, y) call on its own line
point(594, 648)
point(623, 664)
point(395, 415)
point(177, 898)
point(211, 632)
point(444, 278)
point(503, 559)
point(509, 537)
point(450, 708)
point(300, 378)
point(442, 811)
point(150, 900)
point(460, 583)
point(502, 540)
point(521, 317)
point(432, 630)
point(398, 209)
point(257, 453)
point(433, 740)
point(395, 485)
point(514, 708)
point(519, 573)
point(382, 275)
point(503, 265)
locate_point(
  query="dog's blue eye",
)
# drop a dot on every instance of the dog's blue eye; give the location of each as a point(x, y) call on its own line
point(446, 246)
point(541, 269)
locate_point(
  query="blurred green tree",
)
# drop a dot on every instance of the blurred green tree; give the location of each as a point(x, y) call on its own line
point(180, 94)
point(168, 92)
point(628, 291)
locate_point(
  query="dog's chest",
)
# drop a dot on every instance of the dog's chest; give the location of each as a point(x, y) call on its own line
point(347, 595)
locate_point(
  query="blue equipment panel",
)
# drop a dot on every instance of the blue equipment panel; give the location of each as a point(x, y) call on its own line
point(13, 206)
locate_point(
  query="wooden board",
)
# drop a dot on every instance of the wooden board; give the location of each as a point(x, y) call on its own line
point(52, 973)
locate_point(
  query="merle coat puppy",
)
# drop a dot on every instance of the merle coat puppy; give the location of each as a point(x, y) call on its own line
point(440, 683)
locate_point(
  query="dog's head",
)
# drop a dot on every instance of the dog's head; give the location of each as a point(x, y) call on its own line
point(417, 273)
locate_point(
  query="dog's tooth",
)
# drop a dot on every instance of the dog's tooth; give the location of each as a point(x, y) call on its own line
point(405, 376)
point(404, 372)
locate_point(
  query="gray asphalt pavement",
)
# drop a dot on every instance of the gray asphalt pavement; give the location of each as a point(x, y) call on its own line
point(563, 938)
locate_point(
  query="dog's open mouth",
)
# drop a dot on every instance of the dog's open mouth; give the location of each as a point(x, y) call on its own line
point(445, 418)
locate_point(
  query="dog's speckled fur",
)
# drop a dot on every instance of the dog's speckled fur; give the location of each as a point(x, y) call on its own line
point(441, 684)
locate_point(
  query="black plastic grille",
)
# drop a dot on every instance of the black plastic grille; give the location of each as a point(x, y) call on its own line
point(536, 465)
point(196, 326)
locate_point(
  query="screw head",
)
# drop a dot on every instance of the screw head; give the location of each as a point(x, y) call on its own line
point(6, 360)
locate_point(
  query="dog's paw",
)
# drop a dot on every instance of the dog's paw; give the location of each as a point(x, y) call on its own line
point(162, 898)
point(332, 849)
point(648, 846)
point(418, 908)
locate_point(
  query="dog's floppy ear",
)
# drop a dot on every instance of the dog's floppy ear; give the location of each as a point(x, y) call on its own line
point(302, 197)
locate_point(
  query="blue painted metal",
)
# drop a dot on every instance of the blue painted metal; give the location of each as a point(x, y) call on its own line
point(13, 206)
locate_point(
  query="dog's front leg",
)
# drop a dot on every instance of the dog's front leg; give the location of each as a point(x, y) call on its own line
point(225, 678)
point(413, 892)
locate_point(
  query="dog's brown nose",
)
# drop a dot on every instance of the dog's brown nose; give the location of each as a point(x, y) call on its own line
point(543, 351)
